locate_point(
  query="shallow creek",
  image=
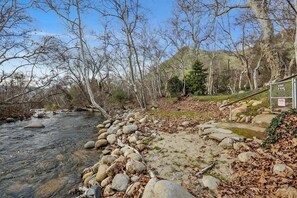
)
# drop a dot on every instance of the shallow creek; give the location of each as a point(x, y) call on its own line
point(46, 162)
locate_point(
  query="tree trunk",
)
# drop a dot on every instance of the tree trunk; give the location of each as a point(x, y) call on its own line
point(255, 72)
point(260, 10)
point(84, 71)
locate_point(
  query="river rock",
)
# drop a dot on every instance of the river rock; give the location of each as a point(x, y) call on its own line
point(107, 159)
point(130, 115)
point(106, 122)
point(111, 138)
point(165, 189)
point(140, 147)
point(120, 182)
point(117, 152)
point(246, 156)
point(94, 192)
point(99, 126)
point(134, 166)
point(101, 174)
point(108, 191)
point(121, 159)
point(35, 125)
point(210, 182)
point(116, 122)
point(112, 129)
point(102, 136)
point(134, 178)
point(113, 169)
point(130, 128)
point(134, 156)
point(89, 145)
point(128, 152)
point(132, 139)
point(239, 145)
point(143, 120)
point(106, 181)
point(282, 170)
point(101, 143)
point(185, 123)
point(226, 143)
point(10, 120)
point(102, 131)
point(87, 175)
point(132, 188)
point(121, 124)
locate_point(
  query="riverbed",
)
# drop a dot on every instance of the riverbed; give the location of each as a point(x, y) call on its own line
point(46, 162)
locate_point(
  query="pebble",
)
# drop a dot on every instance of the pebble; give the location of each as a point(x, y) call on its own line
point(89, 145)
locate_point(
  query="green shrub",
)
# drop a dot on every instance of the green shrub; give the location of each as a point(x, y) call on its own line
point(120, 96)
point(51, 107)
point(175, 86)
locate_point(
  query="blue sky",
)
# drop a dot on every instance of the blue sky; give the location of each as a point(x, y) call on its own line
point(48, 23)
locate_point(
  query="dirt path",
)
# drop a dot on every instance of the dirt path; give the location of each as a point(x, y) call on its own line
point(178, 156)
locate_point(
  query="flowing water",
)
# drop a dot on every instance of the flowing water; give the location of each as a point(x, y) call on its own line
point(46, 162)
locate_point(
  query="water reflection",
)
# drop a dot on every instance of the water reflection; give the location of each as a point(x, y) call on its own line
point(45, 162)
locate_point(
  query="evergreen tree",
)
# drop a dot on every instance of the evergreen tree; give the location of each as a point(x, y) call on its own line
point(196, 79)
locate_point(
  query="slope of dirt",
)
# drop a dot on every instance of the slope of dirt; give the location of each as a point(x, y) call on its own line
point(256, 177)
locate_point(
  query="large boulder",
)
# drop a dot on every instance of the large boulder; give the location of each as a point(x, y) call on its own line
point(215, 130)
point(220, 136)
point(149, 188)
point(35, 125)
point(130, 128)
point(89, 145)
point(165, 189)
point(120, 182)
point(263, 119)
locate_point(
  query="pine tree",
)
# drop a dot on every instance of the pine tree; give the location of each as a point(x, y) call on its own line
point(196, 79)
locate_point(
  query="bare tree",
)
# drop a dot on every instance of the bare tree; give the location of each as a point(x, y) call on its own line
point(70, 12)
point(260, 9)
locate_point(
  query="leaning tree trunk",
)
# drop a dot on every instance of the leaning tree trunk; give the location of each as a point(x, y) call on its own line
point(260, 10)
point(84, 72)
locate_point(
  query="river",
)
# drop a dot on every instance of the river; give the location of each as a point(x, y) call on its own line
point(46, 162)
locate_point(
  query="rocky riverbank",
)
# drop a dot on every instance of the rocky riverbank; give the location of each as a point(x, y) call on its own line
point(122, 170)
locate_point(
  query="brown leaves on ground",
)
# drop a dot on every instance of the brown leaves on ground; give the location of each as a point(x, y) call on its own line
point(170, 115)
point(256, 178)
